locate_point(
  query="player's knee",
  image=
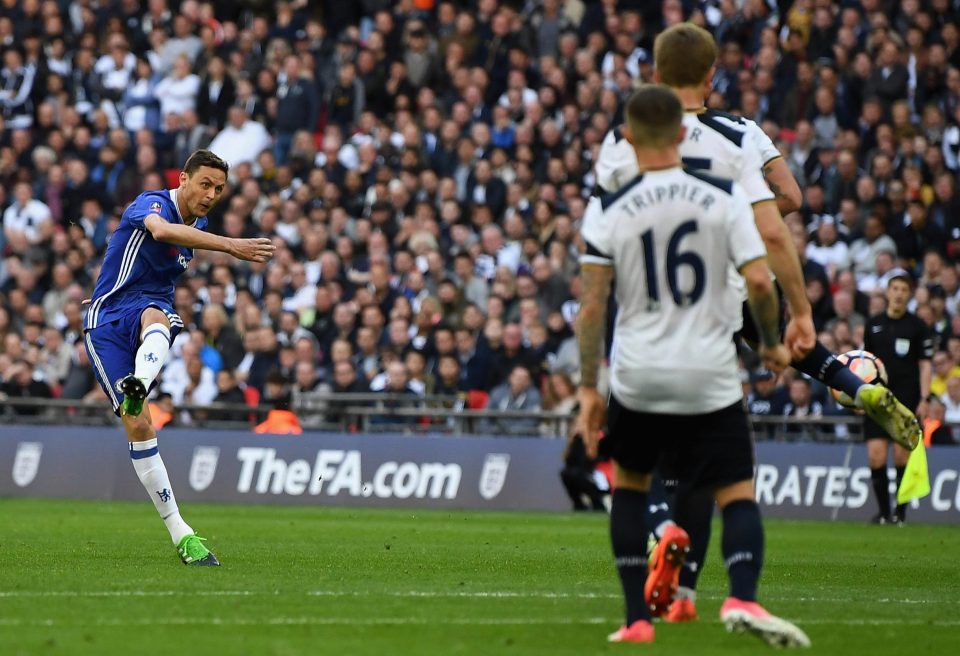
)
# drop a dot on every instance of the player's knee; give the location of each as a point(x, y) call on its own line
point(152, 316)
point(139, 429)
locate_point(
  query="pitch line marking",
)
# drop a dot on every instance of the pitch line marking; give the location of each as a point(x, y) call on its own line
point(411, 621)
point(426, 594)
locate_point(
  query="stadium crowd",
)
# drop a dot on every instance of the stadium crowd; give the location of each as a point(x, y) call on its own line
point(423, 167)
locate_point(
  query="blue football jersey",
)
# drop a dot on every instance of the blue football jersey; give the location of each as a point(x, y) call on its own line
point(136, 268)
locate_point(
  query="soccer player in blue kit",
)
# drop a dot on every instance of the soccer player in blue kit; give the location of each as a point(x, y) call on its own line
point(130, 321)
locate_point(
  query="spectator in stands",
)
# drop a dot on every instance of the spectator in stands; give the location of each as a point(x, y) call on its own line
point(864, 251)
point(517, 393)
point(559, 395)
point(306, 386)
point(397, 385)
point(802, 404)
point(177, 92)
point(936, 431)
point(241, 140)
point(951, 400)
point(280, 419)
point(27, 222)
point(162, 412)
point(17, 81)
point(449, 381)
point(944, 368)
point(216, 96)
point(421, 380)
point(141, 107)
point(79, 380)
point(297, 105)
point(54, 358)
point(829, 251)
point(474, 361)
point(511, 355)
point(19, 382)
point(228, 391)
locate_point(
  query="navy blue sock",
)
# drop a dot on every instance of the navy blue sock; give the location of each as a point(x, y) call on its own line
point(658, 505)
point(628, 534)
point(694, 512)
point(901, 507)
point(743, 547)
point(881, 488)
point(824, 366)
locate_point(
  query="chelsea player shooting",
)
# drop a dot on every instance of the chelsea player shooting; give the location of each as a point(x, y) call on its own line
point(130, 321)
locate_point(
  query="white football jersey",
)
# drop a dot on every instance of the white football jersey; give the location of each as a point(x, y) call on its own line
point(721, 144)
point(671, 236)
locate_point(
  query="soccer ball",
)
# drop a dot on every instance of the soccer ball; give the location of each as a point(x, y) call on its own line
point(866, 366)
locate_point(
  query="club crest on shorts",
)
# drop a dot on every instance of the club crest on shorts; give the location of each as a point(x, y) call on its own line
point(26, 463)
point(494, 474)
point(203, 467)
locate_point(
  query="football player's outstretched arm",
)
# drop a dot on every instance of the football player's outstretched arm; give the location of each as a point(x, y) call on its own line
point(766, 313)
point(785, 264)
point(253, 250)
point(591, 325)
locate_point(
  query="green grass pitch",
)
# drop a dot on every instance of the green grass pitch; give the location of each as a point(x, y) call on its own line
point(102, 578)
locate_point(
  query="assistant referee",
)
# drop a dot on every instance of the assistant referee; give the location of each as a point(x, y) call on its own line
point(903, 342)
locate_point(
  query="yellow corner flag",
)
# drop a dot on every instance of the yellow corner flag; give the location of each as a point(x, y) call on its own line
point(916, 479)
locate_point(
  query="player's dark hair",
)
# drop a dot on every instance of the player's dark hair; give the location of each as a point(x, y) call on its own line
point(654, 114)
point(201, 158)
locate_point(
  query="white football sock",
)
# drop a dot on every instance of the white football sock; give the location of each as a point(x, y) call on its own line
point(154, 345)
point(153, 475)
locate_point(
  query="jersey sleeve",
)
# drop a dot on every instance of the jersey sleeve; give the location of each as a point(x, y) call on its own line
point(616, 162)
point(751, 177)
point(744, 243)
point(765, 146)
point(595, 231)
point(143, 206)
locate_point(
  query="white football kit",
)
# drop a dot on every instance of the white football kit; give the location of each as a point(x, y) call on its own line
point(672, 236)
point(718, 143)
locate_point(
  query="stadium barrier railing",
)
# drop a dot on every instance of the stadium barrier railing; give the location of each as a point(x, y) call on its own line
point(383, 412)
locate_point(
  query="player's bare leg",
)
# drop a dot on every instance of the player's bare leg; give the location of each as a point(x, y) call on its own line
point(142, 438)
point(742, 548)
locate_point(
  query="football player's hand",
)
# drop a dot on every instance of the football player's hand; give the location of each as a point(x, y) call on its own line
point(800, 336)
point(590, 419)
point(86, 301)
point(775, 358)
point(259, 249)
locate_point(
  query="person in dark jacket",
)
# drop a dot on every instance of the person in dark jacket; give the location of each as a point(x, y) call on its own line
point(228, 391)
point(298, 105)
point(217, 93)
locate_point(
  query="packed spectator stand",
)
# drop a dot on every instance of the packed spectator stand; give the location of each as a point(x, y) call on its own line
point(423, 167)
